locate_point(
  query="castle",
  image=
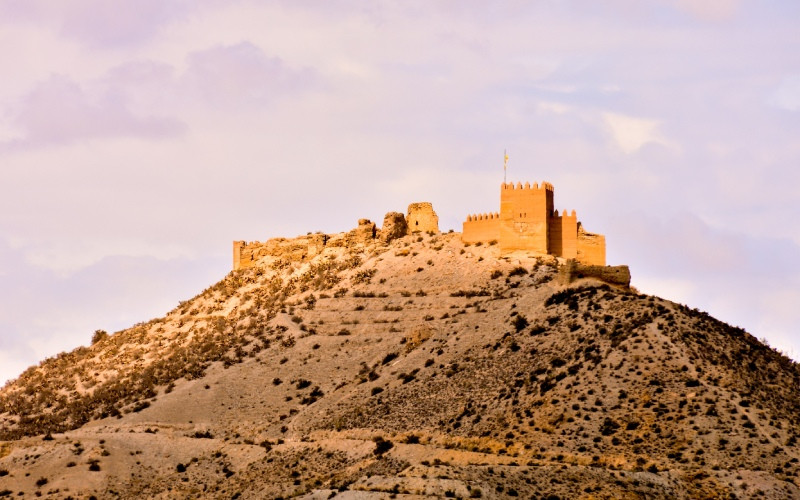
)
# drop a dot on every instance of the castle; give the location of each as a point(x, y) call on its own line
point(527, 221)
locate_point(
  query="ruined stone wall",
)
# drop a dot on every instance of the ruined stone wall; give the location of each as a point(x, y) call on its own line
point(591, 248)
point(394, 226)
point(564, 235)
point(298, 249)
point(524, 216)
point(483, 227)
point(422, 218)
point(363, 234)
point(238, 246)
point(614, 275)
point(245, 254)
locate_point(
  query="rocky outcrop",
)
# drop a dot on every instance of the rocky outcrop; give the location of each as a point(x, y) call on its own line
point(394, 226)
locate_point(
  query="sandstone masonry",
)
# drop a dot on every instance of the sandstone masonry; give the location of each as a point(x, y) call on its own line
point(528, 222)
point(421, 218)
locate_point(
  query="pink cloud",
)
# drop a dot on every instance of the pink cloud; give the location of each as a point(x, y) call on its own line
point(59, 110)
point(241, 75)
point(112, 23)
point(709, 10)
point(98, 22)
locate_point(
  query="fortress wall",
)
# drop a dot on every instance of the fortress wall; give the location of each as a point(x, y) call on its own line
point(591, 248)
point(297, 249)
point(614, 275)
point(484, 228)
point(237, 253)
point(564, 235)
point(243, 254)
point(524, 214)
point(363, 234)
point(422, 218)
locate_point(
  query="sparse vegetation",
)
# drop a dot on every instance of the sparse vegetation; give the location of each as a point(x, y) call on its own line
point(517, 385)
point(389, 357)
point(520, 322)
point(382, 446)
point(518, 271)
point(99, 335)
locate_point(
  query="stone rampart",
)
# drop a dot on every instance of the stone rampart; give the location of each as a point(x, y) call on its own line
point(481, 227)
point(564, 235)
point(614, 275)
point(297, 249)
point(591, 247)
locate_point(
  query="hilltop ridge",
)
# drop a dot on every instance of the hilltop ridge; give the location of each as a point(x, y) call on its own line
point(420, 366)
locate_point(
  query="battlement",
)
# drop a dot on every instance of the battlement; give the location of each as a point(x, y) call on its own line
point(511, 186)
point(489, 216)
point(565, 214)
point(528, 222)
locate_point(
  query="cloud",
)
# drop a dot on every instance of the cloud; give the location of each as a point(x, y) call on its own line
point(65, 259)
point(140, 98)
point(708, 10)
point(99, 23)
point(45, 312)
point(59, 111)
point(631, 134)
point(241, 76)
point(118, 23)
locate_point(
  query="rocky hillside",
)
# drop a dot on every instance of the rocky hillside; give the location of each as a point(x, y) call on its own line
point(419, 367)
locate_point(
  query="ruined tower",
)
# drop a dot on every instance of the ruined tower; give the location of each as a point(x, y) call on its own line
point(422, 219)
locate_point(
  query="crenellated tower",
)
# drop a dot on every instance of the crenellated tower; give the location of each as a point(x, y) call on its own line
point(527, 221)
point(524, 212)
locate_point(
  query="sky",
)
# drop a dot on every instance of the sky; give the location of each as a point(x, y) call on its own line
point(138, 139)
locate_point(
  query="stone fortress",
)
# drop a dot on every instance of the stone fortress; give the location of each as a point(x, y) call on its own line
point(527, 222)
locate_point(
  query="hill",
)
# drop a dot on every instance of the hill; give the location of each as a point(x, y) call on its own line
point(419, 367)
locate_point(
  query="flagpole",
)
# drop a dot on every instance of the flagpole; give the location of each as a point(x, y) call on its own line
point(505, 165)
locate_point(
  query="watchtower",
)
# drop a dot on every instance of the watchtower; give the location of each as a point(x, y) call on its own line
point(528, 222)
point(524, 216)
